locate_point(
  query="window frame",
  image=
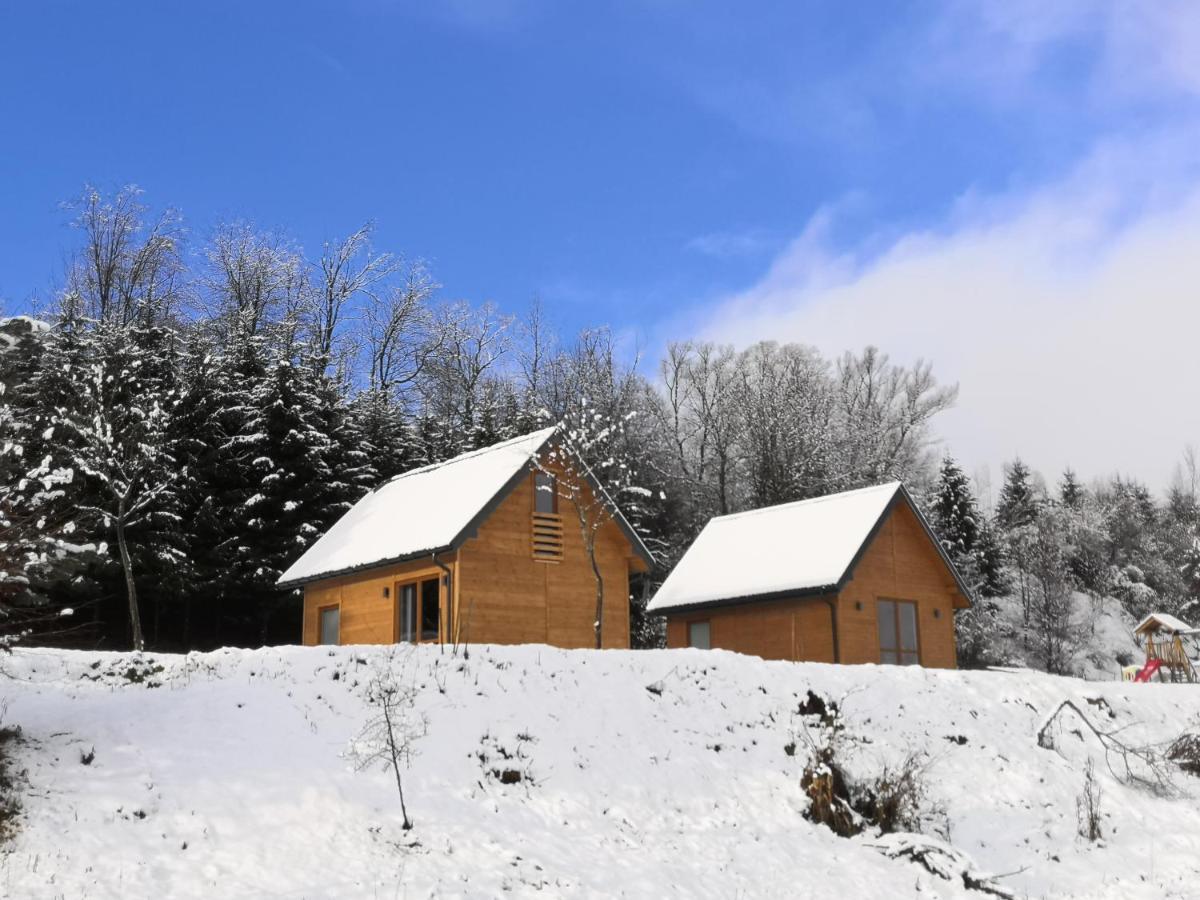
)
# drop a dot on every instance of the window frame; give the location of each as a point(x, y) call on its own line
point(321, 610)
point(707, 623)
point(416, 583)
point(899, 651)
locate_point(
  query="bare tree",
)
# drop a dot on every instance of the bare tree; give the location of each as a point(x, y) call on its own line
point(254, 281)
point(347, 268)
point(590, 435)
point(885, 411)
point(473, 343)
point(389, 736)
point(128, 270)
point(398, 331)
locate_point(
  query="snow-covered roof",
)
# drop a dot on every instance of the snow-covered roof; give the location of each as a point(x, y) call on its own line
point(1165, 622)
point(423, 511)
point(805, 547)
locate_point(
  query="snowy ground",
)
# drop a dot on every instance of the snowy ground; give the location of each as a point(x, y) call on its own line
point(228, 774)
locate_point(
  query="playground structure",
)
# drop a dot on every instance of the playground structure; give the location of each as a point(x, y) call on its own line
point(1167, 641)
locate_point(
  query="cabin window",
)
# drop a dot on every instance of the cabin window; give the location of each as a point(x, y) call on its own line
point(545, 493)
point(899, 643)
point(419, 611)
point(698, 635)
point(408, 612)
point(430, 611)
point(330, 625)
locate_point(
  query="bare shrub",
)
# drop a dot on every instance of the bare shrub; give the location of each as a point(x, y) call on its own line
point(1184, 751)
point(1087, 805)
point(390, 734)
point(894, 800)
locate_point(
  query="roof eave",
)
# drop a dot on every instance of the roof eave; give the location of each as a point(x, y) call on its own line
point(789, 594)
point(472, 527)
point(351, 570)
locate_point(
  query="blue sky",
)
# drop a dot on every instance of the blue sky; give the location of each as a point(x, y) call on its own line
point(622, 160)
point(668, 168)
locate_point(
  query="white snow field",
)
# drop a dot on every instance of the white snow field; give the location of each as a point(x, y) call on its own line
point(229, 774)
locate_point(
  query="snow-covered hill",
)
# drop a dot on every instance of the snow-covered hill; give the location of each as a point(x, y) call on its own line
point(636, 774)
point(1101, 637)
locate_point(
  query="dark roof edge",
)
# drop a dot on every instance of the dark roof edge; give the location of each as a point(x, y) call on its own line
point(790, 594)
point(472, 527)
point(933, 538)
point(901, 493)
point(350, 570)
point(614, 510)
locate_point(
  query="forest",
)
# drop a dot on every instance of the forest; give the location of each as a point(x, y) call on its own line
point(183, 416)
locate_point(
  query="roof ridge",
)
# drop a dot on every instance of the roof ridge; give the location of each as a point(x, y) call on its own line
point(808, 501)
point(470, 454)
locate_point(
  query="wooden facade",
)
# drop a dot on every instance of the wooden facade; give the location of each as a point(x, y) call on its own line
point(524, 577)
point(898, 564)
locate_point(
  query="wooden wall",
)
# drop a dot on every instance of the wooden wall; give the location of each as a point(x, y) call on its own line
point(899, 564)
point(796, 629)
point(503, 595)
point(508, 598)
point(367, 617)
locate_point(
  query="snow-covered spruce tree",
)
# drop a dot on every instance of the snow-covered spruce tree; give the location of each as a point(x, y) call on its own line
point(386, 438)
point(1070, 492)
point(962, 530)
point(111, 393)
point(955, 514)
point(989, 555)
point(299, 480)
point(1016, 516)
point(1019, 502)
point(36, 543)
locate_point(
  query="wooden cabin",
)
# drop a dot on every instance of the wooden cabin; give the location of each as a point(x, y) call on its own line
point(855, 577)
point(484, 548)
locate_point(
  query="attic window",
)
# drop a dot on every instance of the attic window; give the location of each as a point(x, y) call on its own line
point(545, 493)
point(547, 524)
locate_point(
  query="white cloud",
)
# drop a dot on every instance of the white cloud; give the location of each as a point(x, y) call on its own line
point(1069, 314)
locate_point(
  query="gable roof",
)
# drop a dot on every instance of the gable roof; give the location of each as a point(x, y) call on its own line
point(804, 548)
point(1164, 622)
point(429, 510)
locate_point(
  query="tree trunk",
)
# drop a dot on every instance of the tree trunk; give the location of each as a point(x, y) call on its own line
point(599, 623)
point(135, 619)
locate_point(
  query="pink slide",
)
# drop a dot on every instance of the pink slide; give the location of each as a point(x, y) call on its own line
point(1148, 670)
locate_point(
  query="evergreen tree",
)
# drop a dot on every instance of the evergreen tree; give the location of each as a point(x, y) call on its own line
point(989, 557)
point(1018, 506)
point(1070, 491)
point(955, 514)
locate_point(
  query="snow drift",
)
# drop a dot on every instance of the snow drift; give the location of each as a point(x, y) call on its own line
point(564, 773)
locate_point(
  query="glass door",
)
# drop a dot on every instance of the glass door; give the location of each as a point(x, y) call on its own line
point(418, 611)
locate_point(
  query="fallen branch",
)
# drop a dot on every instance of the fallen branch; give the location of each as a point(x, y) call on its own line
point(1123, 760)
